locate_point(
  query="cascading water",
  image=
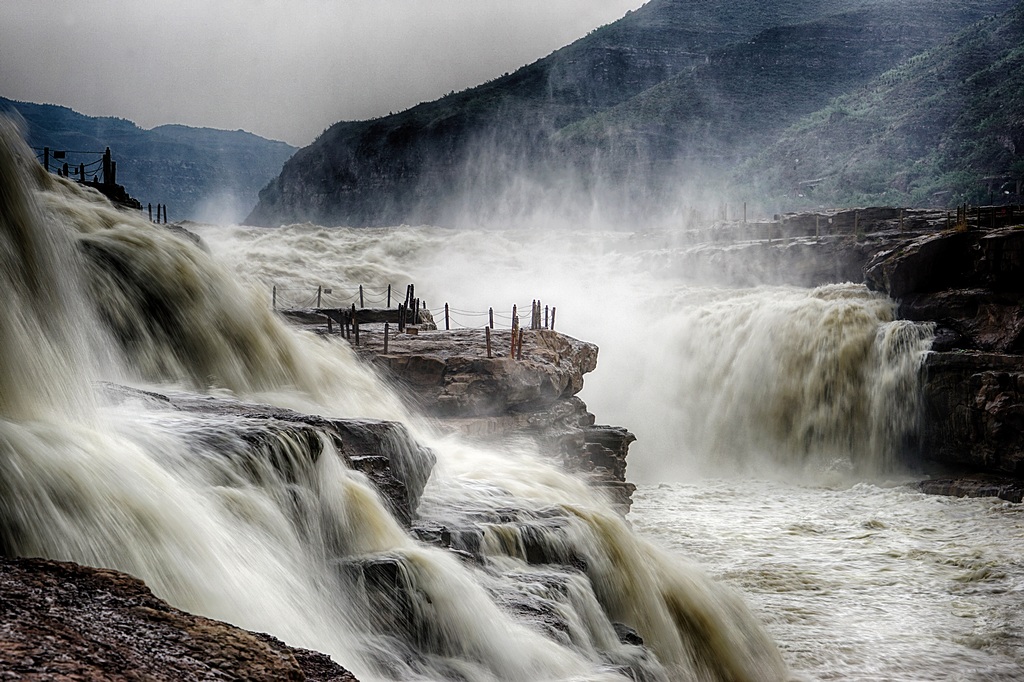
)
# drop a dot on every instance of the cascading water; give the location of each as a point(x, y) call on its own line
point(274, 533)
point(815, 383)
point(809, 392)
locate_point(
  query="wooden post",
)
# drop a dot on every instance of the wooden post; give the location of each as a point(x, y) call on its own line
point(490, 315)
point(106, 167)
point(361, 296)
point(446, 327)
point(514, 316)
point(330, 325)
point(553, 309)
point(273, 295)
point(512, 349)
point(389, 296)
point(387, 331)
point(319, 293)
point(519, 345)
point(487, 335)
point(150, 207)
point(355, 324)
point(113, 174)
point(46, 159)
point(401, 318)
point(412, 294)
point(545, 317)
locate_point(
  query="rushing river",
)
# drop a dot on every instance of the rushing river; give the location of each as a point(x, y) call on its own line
point(863, 582)
point(800, 396)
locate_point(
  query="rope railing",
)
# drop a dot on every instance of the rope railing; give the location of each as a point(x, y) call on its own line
point(409, 310)
point(330, 297)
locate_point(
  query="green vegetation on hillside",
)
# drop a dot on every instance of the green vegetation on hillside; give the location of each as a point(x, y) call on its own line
point(944, 127)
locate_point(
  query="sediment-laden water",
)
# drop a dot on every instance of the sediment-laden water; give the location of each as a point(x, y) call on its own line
point(863, 582)
point(800, 385)
point(800, 397)
point(274, 533)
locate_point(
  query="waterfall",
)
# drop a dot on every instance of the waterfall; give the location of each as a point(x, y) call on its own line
point(806, 381)
point(808, 384)
point(258, 521)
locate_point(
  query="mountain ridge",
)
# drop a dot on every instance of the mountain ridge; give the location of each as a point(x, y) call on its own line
point(510, 144)
point(199, 173)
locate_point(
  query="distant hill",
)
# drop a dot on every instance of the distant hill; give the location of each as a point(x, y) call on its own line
point(943, 128)
point(199, 173)
point(614, 121)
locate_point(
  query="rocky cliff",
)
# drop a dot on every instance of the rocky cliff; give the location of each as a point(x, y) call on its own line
point(960, 271)
point(970, 284)
point(61, 621)
point(450, 377)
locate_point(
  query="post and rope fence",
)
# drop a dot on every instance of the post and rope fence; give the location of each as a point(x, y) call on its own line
point(347, 306)
point(103, 169)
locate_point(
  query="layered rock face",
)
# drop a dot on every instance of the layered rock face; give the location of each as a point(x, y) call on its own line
point(966, 279)
point(970, 284)
point(61, 621)
point(450, 377)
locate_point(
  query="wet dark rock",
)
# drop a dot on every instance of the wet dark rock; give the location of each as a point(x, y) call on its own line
point(395, 464)
point(973, 411)
point(65, 621)
point(990, 259)
point(628, 635)
point(970, 284)
point(970, 319)
point(975, 485)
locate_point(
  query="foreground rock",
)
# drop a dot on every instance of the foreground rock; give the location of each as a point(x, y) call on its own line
point(61, 621)
point(450, 377)
point(396, 465)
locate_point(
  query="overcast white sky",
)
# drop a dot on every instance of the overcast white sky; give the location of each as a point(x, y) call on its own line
point(284, 69)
